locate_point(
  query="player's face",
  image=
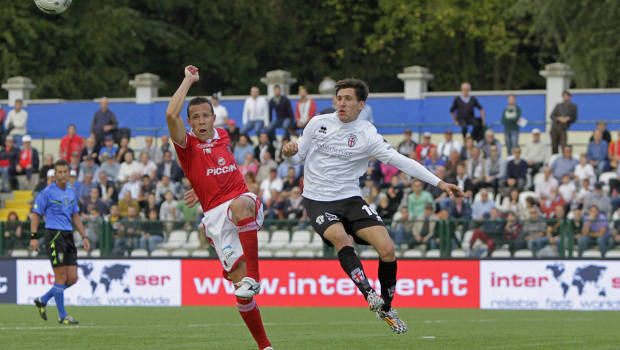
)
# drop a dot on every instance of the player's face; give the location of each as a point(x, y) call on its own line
point(62, 174)
point(348, 106)
point(201, 119)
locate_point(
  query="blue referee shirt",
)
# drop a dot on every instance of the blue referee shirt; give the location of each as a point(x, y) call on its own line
point(57, 205)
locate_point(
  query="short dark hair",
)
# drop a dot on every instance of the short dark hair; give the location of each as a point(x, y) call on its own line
point(361, 88)
point(61, 162)
point(566, 92)
point(198, 101)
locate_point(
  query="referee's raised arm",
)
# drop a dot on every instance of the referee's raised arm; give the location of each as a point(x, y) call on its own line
point(176, 126)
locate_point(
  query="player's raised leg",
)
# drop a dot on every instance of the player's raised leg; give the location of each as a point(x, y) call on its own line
point(379, 238)
point(244, 213)
point(351, 263)
point(249, 310)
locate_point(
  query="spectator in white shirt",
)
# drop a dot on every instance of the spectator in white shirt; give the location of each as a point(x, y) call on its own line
point(446, 146)
point(567, 189)
point(584, 170)
point(168, 208)
point(221, 114)
point(273, 182)
point(128, 167)
point(543, 188)
point(132, 186)
point(255, 112)
point(15, 122)
point(147, 166)
point(536, 152)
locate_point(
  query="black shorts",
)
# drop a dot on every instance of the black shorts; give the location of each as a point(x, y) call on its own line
point(354, 214)
point(60, 248)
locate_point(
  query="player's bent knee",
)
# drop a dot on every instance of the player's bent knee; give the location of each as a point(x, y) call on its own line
point(386, 252)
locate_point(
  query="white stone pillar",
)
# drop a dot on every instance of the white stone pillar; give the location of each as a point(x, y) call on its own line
point(416, 81)
point(558, 79)
point(147, 86)
point(278, 77)
point(327, 86)
point(18, 88)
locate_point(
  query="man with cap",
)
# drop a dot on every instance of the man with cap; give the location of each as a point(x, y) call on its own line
point(536, 152)
point(28, 159)
point(110, 167)
point(423, 150)
point(221, 114)
point(108, 148)
point(407, 146)
point(564, 114)
point(449, 144)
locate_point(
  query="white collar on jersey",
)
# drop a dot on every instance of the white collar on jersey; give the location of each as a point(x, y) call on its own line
point(216, 135)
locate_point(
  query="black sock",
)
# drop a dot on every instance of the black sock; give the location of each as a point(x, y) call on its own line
point(352, 265)
point(387, 278)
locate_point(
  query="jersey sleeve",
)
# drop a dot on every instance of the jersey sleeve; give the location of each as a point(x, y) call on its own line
point(304, 143)
point(40, 203)
point(74, 209)
point(183, 153)
point(379, 148)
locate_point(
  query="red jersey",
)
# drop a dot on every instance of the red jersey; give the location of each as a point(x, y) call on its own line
point(211, 169)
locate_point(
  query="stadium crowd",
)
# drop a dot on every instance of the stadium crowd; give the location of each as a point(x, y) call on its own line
point(517, 197)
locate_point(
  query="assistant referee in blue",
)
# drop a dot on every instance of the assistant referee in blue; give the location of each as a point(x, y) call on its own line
point(58, 204)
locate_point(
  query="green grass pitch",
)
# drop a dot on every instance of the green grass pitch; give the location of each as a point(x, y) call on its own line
point(307, 328)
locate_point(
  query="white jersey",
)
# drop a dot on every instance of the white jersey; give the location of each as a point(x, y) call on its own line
point(336, 154)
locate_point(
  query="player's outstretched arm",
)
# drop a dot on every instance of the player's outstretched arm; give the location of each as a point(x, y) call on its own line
point(176, 126)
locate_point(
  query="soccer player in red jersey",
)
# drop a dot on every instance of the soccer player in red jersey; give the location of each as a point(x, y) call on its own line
point(232, 215)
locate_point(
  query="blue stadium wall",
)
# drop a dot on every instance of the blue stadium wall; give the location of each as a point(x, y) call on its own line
point(52, 119)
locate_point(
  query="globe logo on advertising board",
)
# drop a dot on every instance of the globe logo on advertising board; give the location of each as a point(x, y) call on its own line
point(108, 277)
point(584, 277)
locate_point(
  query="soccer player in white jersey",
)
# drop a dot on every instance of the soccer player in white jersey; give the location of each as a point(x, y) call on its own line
point(336, 149)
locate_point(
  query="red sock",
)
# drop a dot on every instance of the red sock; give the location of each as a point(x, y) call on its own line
point(251, 316)
point(249, 242)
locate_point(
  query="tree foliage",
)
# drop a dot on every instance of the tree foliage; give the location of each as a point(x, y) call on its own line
point(96, 47)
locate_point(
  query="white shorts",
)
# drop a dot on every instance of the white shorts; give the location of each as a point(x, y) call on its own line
point(223, 234)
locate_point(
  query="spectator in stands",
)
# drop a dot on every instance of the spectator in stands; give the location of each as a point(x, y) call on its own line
point(489, 141)
point(510, 119)
point(548, 204)
point(75, 163)
point(423, 150)
point(597, 152)
point(554, 230)
point(330, 109)
point(147, 166)
point(162, 187)
point(85, 186)
point(255, 112)
point(70, 143)
point(9, 158)
point(599, 199)
point(468, 144)
point(264, 145)
point(13, 233)
point(594, 227)
point(153, 232)
point(565, 164)
point(221, 114)
point(92, 222)
point(151, 205)
point(243, 148)
point(614, 152)
point(153, 151)
point(433, 161)
point(367, 114)
point(476, 169)
point(536, 152)
point(130, 167)
point(407, 145)
point(119, 240)
point(167, 209)
point(272, 182)
point(132, 224)
point(447, 145)
point(516, 173)
point(146, 188)
point(15, 123)
point(110, 167)
point(584, 170)
point(460, 211)
point(533, 229)
point(250, 164)
point(601, 126)
point(402, 227)
point(290, 181)
point(453, 161)
point(88, 167)
point(584, 190)
point(284, 117)
point(166, 146)
point(124, 149)
point(495, 168)
point(417, 200)
point(107, 190)
point(464, 107)
point(563, 115)
point(125, 202)
point(513, 230)
point(267, 165)
point(48, 163)
point(104, 123)
point(28, 160)
point(395, 194)
point(133, 186)
point(233, 133)
point(305, 108)
point(108, 148)
point(615, 228)
point(89, 149)
point(169, 168)
point(492, 230)
point(512, 204)
point(482, 205)
point(186, 214)
point(463, 181)
point(567, 190)
point(44, 182)
point(94, 201)
point(438, 195)
point(75, 184)
point(543, 188)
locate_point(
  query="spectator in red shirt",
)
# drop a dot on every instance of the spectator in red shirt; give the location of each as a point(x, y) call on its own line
point(305, 108)
point(28, 159)
point(423, 150)
point(70, 143)
point(548, 204)
point(9, 157)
